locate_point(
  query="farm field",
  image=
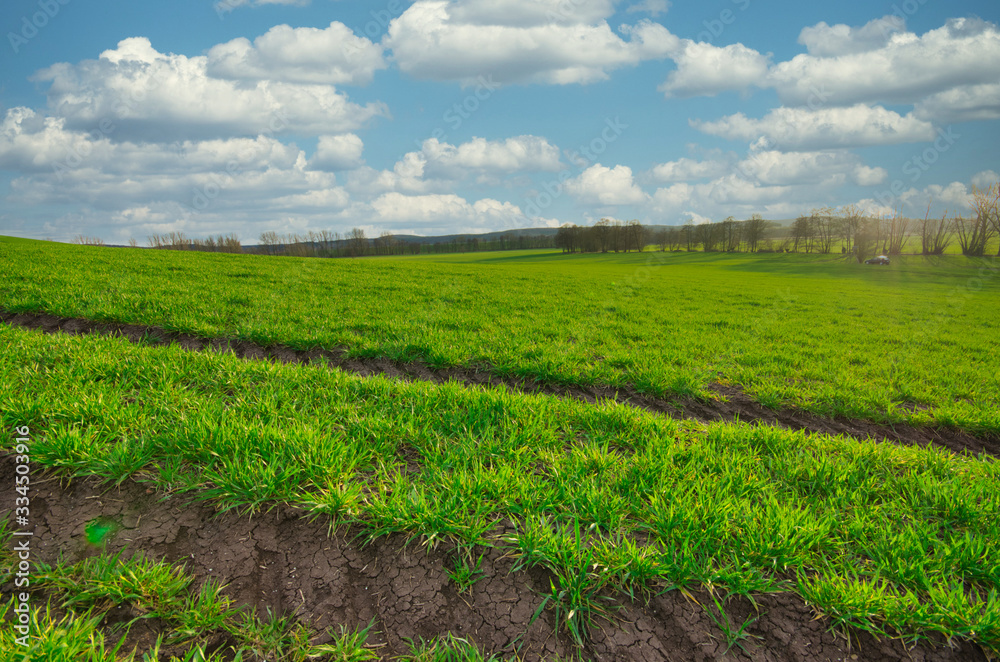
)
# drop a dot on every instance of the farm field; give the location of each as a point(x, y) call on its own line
point(605, 498)
point(557, 523)
point(913, 342)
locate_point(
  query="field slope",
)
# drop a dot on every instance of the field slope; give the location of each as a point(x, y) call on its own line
point(912, 342)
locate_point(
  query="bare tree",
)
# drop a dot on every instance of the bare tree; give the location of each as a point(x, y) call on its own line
point(851, 217)
point(635, 236)
point(824, 228)
point(753, 232)
point(662, 239)
point(689, 236)
point(935, 234)
point(802, 233)
point(975, 233)
point(867, 237)
point(602, 233)
point(730, 234)
point(896, 229)
point(357, 243)
point(986, 202)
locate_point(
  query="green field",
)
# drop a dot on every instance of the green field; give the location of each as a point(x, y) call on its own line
point(610, 499)
point(912, 342)
point(883, 537)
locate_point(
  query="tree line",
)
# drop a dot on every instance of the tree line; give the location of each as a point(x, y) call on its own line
point(609, 235)
point(849, 230)
point(327, 243)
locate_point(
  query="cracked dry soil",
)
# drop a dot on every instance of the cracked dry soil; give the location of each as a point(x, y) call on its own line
point(281, 561)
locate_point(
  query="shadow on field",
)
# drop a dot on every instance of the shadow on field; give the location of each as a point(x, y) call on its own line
point(731, 403)
point(281, 561)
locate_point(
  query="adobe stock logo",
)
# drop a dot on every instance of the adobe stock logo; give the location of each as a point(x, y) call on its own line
point(48, 9)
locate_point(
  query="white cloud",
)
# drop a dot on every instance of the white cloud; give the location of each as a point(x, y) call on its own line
point(148, 95)
point(822, 40)
point(914, 201)
point(600, 185)
point(804, 129)
point(961, 104)
point(328, 199)
point(685, 169)
point(529, 13)
point(336, 153)
point(985, 178)
point(965, 51)
point(440, 166)
point(518, 41)
point(866, 176)
point(704, 69)
point(331, 56)
point(828, 168)
point(443, 213)
point(32, 143)
point(518, 154)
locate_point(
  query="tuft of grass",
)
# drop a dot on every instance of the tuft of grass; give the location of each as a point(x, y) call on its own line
point(576, 595)
point(465, 573)
point(447, 648)
point(76, 637)
point(732, 635)
point(275, 637)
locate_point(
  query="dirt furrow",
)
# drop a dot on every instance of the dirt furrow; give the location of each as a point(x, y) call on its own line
point(730, 403)
point(289, 564)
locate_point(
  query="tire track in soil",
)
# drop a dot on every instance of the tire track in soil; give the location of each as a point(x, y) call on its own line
point(288, 563)
point(730, 405)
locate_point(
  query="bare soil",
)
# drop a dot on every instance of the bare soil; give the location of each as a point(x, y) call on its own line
point(286, 563)
point(731, 403)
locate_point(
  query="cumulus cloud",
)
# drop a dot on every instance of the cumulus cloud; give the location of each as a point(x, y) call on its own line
point(443, 213)
point(600, 185)
point(966, 103)
point(827, 168)
point(706, 70)
point(954, 196)
point(518, 41)
point(331, 56)
point(336, 153)
point(30, 143)
point(685, 169)
point(805, 129)
point(518, 154)
point(863, 175)
point(822, 40)
point(529, 13)
point(985, 178)
point(906, 69)
point(159, 184)
point(149, 95)
point(439, 166)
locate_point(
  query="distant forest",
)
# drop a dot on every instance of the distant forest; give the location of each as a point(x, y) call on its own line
point(847, 230)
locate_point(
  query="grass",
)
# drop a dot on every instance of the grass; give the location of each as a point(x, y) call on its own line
point(465, 573)
point(733, 636)
point(73, 626)
point(892, 539)
point(448, 648)
point(910, 342)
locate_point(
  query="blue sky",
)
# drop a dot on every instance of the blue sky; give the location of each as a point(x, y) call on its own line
point(123, 119)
